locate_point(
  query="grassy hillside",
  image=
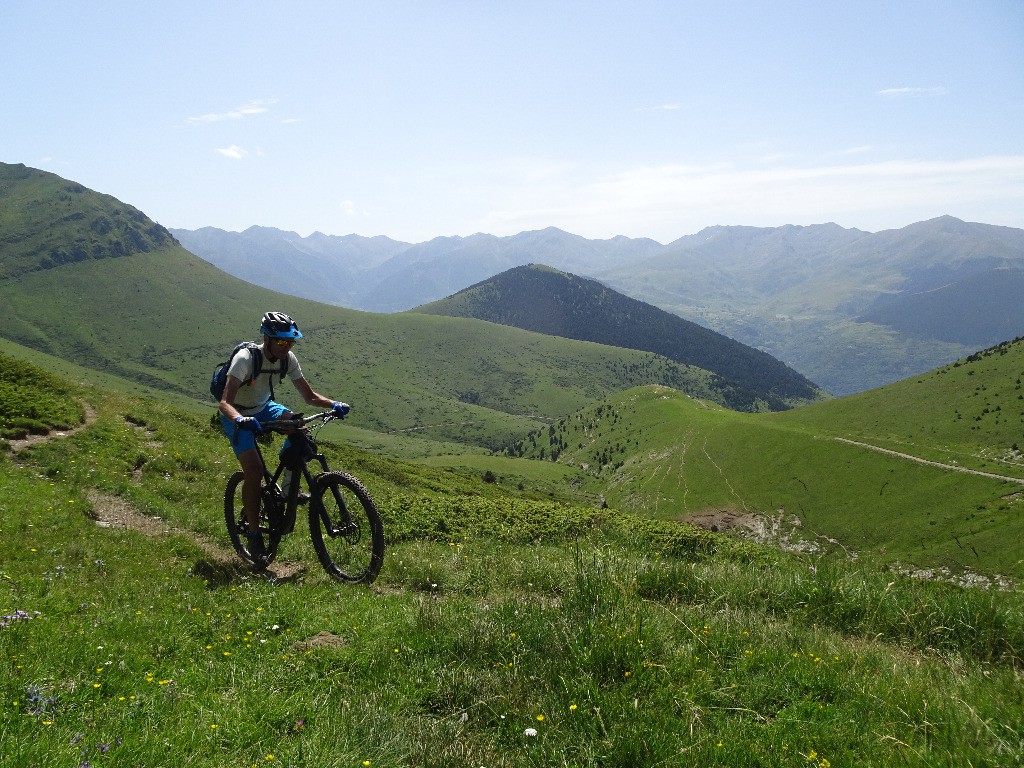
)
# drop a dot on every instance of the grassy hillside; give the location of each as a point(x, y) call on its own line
point(34, 401)
point(128, 301)
point(47, 221)
point(538, 298)
point(969, 413)
point(661, 453)
point(505, 630)
point(161, 319)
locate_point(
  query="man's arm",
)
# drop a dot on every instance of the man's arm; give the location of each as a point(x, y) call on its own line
point(230, 390)
point(307, 393)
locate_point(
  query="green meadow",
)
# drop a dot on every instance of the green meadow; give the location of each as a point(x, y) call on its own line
point(514, 623)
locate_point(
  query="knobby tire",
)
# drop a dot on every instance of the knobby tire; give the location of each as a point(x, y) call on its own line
point(350, 546)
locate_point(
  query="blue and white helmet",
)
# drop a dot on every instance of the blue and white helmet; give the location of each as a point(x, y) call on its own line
point(278, 325)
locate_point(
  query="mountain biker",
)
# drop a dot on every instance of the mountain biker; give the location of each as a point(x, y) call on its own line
point(247, 401)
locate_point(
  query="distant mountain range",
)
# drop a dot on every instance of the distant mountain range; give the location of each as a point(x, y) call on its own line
point(849, 309)
point(377, 274)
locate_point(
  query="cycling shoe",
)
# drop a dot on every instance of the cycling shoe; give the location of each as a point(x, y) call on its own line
point(254, 543)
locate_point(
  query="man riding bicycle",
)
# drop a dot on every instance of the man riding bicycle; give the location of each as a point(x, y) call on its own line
point(249, 400)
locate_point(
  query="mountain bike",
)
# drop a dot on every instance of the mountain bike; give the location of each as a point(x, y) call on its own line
point(344, 523)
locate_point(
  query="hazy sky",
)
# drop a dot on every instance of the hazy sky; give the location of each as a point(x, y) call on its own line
point(418, 119)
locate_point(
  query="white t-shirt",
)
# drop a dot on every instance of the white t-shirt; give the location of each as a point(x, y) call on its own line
point(253, 395)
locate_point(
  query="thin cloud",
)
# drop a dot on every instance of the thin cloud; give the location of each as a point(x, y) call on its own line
point(235, 152)
point(899, 93)
point(862, 150)
point(775, 157)
point(349, 208)
point(254, 107)
point(660, 108)
point(665, 202)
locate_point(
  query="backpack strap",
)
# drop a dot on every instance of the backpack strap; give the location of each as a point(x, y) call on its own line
point(257, 366)
point(257, 359)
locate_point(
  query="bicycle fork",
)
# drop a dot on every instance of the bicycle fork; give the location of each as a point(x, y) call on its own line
point(343, 526)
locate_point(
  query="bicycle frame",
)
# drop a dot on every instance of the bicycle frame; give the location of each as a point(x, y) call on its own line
point(289, 512)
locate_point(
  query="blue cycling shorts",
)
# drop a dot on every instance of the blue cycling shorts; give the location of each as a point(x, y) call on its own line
point(242, 439)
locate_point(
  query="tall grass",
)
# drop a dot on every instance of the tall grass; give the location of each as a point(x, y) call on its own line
point(479, 654)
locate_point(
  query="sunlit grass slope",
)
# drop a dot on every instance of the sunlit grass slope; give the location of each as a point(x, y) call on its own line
point(34, 401)
point(661, 453)
point(165, 318)
point(47, 222)
point(505, 629)
point(970, 412)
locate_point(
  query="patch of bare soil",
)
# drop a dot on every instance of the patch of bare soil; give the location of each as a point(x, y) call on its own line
point(780, 530)
point(720, 520)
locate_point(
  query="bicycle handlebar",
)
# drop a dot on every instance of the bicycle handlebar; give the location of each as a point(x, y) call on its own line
point(297, 420)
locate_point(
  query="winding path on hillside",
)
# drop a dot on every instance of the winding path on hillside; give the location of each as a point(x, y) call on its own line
point(20, 444)
point(109, 511)
point(940, 465)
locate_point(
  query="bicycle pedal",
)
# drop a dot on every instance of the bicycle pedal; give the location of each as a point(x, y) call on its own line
point(257, 551)
point(303, 498)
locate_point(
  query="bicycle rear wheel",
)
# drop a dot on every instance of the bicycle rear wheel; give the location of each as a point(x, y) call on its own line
point(234, 517)
point(346, 528)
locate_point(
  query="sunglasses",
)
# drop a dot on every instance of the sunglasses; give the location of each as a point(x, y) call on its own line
point(283, 342)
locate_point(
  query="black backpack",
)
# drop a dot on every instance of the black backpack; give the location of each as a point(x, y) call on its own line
point(220, 373)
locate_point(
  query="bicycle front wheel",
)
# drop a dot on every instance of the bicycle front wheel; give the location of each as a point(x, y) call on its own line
point(234, 518)
point(346, 529)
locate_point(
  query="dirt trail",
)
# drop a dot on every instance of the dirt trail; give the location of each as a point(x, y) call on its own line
point(221, 563)
point(26, 442)
point(108, 511)
point(114, 512)
point(919, 460)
